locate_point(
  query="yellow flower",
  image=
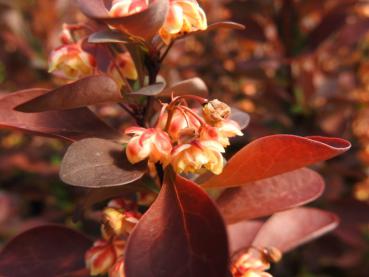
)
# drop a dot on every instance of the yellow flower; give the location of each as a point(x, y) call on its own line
point(152, 143)
point(103, 255)
point(197, 155)
point(184, 16)
point(118, 222)
point(123, 65)
point(71, 62)
point(221, 132)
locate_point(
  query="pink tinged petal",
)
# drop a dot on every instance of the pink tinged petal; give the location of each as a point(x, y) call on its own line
point(137, 152)
point(174, 21)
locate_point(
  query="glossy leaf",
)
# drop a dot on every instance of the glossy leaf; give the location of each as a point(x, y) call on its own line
point(182, 234)
point(150, 90)
point(242, 234)
point(109, 36)
point(265, 197)
point(49, 250)
point(85, 92)
point(97, 163)
point(71, 125)
point(276, 154)
point(143, 24)
point(289, 229)
point(194, 86)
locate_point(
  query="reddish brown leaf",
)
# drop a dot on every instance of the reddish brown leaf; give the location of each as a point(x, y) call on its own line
point(265, 197)
point(97, 163)
point(194, 86)
point(44, 251)
point(273, 155)
point(143, 24)
point(85, 92)
point(109, 36)
point(289, 229)
point(226, 25)
point(242, 234)
point(70, 125)
point(150, 90)
point(242, 118)
point(182, 234)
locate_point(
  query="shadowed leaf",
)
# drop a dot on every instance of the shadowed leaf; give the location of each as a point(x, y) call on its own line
point(242, 118)
point(178, 236)
point(289, 229)
point(109, 36)
point(151, 90)
point(194, 86)
point(242, 234)
point(44, 251)
point(71, 125)
point(143, 24)
point(226, 25)
point(265, 197)
point(88, 91)
point(97, 163)
point(274, 155)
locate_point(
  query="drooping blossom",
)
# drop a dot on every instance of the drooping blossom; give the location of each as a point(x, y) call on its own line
point(118, 222)
point(122, 65)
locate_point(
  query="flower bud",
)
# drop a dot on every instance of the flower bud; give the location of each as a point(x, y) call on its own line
point(118, 222)
point(71, 62)
point(103, 255)
point(66, 35)
point(216, 111)
point(272, 254)
point(124, 65)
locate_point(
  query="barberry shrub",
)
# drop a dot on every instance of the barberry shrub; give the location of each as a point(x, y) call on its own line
point(176, 206)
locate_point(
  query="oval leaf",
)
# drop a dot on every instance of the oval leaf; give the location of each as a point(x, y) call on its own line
point(109, 36)
point(265, 197)
point(44, 251)
point(226, 25)
point(274, 155)
point(88, 91)
point(71, 125)
point(182, 234)
point(242, 118)
point(143, 24)
point(151, 90)
point(289, 229)
point(194, 86)
point(97, 163)
point(242, 234)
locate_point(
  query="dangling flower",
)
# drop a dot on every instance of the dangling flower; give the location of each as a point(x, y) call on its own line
point(124, 65)
point(65, 36)
point(227, 129)
point(127, 7)
point(118, 222)
point(103, 255)
point(184, 16)
point(152, 143)
point(71, 62)
point(118, 269)
point(197, 155)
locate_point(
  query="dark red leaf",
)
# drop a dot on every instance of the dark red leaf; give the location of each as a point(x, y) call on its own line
point(289, 229)
point(242, 234)
point(143, 24)
point(44, 251)
point(85, 92)
point(182, 234)
point(70, 125)
point(226, 25)
point(265, 197)
point(97, 163)
point(273, 155)
point(194, 86)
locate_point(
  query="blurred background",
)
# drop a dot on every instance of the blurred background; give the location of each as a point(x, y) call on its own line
point(300, 67)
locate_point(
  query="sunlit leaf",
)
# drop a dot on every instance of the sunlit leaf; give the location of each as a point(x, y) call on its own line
point(71, 125)
point(44, 251)
point(97, 163)
point(88, 91)
point(265, 197)
point(272, 155)
point(182, 234)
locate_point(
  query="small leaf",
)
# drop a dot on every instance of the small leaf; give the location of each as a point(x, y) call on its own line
point(194, 86)
point(242, 234)
point(109, 36)
point(289, 229)
point(71, 125)
point(226, 25)
point(265, 197)
point(182, 234)
point(151, 90)
point(49, 250)
point(143, 24)
point(97, 163)
point(242, 118)
point(88, 91)
point(274, 155)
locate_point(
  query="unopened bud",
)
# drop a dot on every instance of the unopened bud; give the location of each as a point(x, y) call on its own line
point(187, 135)
point(216, 111)
point(272, 254)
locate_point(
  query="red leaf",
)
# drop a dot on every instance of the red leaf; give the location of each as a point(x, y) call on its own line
point(44, 251)
point(265, 197)
point(273, 155)
point(70, 125)
point(85, 92)
point(289, 229)
point(144, 24)
point(182, 234)
point(194, 86)
point(242, 234)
